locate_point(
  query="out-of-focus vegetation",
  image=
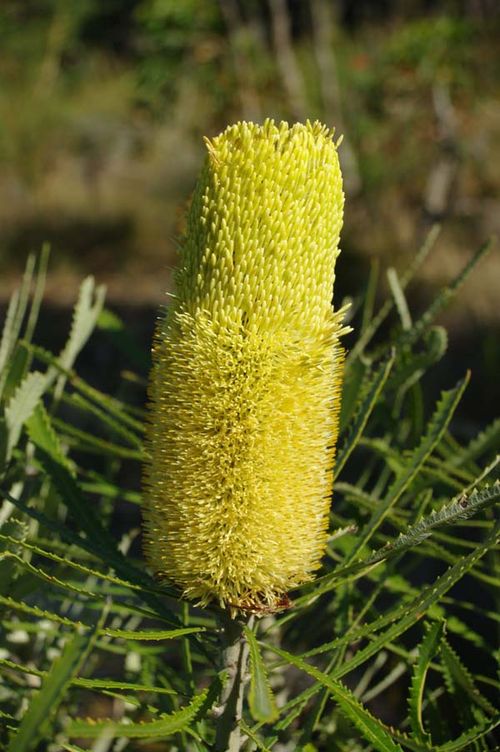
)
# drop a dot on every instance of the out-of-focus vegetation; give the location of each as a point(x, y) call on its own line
point(103, 106)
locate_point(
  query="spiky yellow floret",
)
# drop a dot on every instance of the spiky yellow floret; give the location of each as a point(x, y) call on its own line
point(247, 368)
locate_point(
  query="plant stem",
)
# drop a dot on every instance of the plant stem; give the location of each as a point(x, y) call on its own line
point(234, 661)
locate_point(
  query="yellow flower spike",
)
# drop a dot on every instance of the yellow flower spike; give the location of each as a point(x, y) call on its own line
point(247, 371)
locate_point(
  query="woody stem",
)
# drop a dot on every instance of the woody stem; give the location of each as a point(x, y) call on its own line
point(234, 661)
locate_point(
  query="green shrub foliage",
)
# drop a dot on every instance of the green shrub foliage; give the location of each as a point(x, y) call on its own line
point(390, 648)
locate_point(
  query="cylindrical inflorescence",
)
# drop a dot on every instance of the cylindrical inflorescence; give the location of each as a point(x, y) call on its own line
point(247, 370)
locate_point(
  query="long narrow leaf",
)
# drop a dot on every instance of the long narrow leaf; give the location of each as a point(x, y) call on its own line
point(36, 720)
point(437, 426)
point(166, 726)
point(261, 698)
point(363, 413)
point(370, 727)
point(426, 651)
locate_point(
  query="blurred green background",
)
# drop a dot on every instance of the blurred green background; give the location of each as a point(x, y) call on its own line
point(103, 105)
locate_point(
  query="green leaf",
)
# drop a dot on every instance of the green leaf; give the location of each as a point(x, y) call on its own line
point(17, 370)
point(78, 566)
point(351, 390)
point(92, 684)
point(435, 430)
point(70, 494)
point(42, 434)
point(149, 635)
point(89, 442)
point(80, 402)
point(99, 684)
point(405, 614)
point(253, 736)
point(35, 724)
point(459, 677)
point(38, 292)
point(23, 607)
point(261, 699)
point(22, 404)
point(88, 307)
point(9, 336)
point(55, 465)
point(370, 294)
point(170, 724)
point(467, 739)
point(426, 651)
point(115, 407)
point(4, 438)
point(410, 366)
point(487, 440)
point(387, 307)
point(460, 508)
point(43, 575)
point(371, 728)
point(140, 581)
point(363, 413)
point(399, 298)
point(15, 314)
point(444, 297)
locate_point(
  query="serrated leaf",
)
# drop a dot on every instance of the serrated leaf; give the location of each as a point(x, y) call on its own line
point(363, 413)
point(387, 307)
point(435, 430)
point(140, 580)
point(259, 744)
point(37, 298)
point(43, 575)
point(17, 370)
point(261, 699)
point(444, 296)
point(56, 467)
point(467, 739)
point(370, 295)
point(409, 366)
point(9, 335)
point(21, 406)
point(351, 390)
point(15, 314)
point(456, 674)
point(15, 605)
point(483, 442)
point(112, 405)
point(36, 720)
point(42, 434)
point(460, 508)
point(4, 437)
point(87, 309)
point(180, 720)
point(91, 684)
point(100, 541)
point(405, 614)
point(426, 651)
point(373, 730)
point(151, 635)
point(78, 566)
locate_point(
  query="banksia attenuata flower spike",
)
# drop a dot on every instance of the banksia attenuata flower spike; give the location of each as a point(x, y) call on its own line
point(247, 370)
